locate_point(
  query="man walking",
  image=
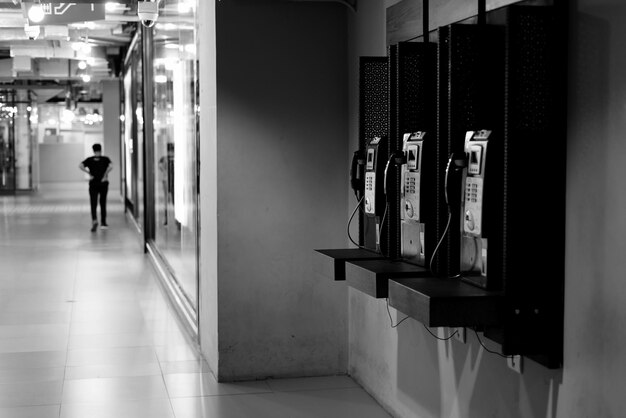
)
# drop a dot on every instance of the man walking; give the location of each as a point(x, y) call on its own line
point(98, 167)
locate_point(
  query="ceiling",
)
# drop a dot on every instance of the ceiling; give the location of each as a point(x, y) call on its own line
point(49, 64)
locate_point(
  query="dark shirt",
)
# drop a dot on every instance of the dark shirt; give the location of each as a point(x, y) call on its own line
point(97, 166)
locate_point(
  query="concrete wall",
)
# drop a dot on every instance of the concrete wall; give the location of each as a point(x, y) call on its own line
point(281, 187)
point(413, 375)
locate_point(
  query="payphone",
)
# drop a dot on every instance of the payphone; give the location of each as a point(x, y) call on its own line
point(475, 233)
point(374, 203)
point(412, 222)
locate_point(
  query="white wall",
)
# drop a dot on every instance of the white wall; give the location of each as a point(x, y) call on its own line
point(59, 162)
point(413, 375)
point(595, 290)
point(281, 182)
point(208, 312)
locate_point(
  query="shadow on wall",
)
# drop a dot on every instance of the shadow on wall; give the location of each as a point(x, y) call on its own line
point(420, 371)
point(588, 161)
point(452, 379)
point(590, 297)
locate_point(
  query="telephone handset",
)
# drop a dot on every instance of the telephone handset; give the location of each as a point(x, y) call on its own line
point(356, 178)
point(456, 164)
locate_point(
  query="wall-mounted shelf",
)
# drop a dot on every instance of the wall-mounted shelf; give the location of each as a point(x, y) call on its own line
point(333, 262)
point(372, 276)
point(446, 302)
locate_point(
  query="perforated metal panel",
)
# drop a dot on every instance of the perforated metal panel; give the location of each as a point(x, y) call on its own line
point(530, 86)
point(534, 155)
point(471, 97)
point(374, 99)
point(442, 261)
point(373, 118)
point(412, 108)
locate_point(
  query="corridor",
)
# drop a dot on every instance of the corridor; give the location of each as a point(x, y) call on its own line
point(85, 330)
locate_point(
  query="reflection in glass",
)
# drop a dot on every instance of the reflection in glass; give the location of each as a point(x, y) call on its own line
point(175, 77)
point(128, 135)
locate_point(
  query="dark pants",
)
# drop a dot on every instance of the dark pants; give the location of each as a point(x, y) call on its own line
point(101, 189)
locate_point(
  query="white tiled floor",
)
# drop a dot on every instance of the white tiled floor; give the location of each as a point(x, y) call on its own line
point(86, 332)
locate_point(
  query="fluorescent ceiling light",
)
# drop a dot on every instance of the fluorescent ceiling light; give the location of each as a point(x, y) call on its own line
point(160, 78)
point(111, 6)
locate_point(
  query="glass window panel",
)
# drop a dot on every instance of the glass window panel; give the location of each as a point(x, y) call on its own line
point(175, 79)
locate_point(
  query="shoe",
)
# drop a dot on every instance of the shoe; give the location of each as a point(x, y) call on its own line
point(104, 226)
point(94, 226)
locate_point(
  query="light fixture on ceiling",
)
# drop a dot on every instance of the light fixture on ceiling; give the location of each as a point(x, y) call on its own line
point(82, 65)
point(67, 116)
point(36, 13)
point(112, 6)
point(84, 75)
point(185, 7)
point(166, 26)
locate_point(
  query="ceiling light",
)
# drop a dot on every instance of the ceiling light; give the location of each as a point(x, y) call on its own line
point(160, 78)
point(171, 46)
point(76, 46)
point(82, 65)
point(36, 13)
point(185, 7)
point(68, 116)
point(86, 78)
point(111, 6)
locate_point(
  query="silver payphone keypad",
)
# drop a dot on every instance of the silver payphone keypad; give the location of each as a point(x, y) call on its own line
point(411, 195)
point(370, 194)
point(473, 206)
